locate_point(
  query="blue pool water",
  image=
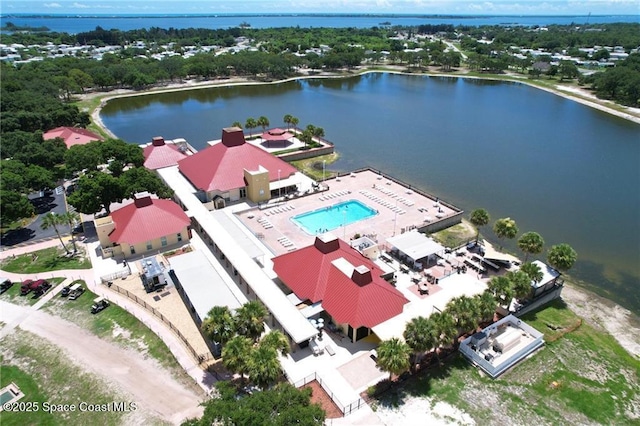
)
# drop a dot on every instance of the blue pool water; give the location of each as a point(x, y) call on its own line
point(332, 217)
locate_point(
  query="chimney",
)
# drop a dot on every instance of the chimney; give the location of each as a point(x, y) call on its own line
point(327, 243)
point(157, 141)
point(142, 199)
point(232, 136)
point(361, 275)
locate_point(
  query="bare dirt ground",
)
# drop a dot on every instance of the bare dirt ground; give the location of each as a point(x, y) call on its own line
point(605, 315)
point(320, 396)
point(149, 385)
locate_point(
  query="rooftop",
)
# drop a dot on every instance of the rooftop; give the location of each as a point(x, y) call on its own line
point(72, 135)
point(160, 154)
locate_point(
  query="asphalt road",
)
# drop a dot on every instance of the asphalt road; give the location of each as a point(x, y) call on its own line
point(54, 203)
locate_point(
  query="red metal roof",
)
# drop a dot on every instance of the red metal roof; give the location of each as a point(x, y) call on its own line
point(311, 273)
point(72, 135)
point(221, 166)
point(147, 219)
point(161, 155)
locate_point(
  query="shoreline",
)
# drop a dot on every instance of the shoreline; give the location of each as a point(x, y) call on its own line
point(575, 94)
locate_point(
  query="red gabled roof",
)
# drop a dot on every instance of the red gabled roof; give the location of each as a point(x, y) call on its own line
point(160, 154)
point(147, 219)
point(72, 135)
point(221, 166)
point(311, 273)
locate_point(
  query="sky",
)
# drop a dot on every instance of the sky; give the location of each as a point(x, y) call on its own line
point(453, 7)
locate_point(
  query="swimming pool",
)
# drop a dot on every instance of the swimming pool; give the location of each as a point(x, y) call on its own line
point(332, 217)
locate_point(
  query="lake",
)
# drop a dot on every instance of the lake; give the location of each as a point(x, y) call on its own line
point(557, 167)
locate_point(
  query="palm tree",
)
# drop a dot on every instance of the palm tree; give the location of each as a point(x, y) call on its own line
point(479, 217)
point(520, 282)
point(219, 325)
point(533, 271)
point(71, 218)
point(235, 355)
point(486, 306)
point(307, 137)
point(236, 124)
point(419, 334)
point(263, 122)
point(276, 339)
point(250, 124)
point(250, 318)
point(393, 356)
point(505, 228)
point(562, 257)
point(445, 328)
point(465, 311)
point(530, 243)
point(502, 289)
point(287, 120)
point(53, 220)
point(263, 366)
point(318, 132)
point(294, 122)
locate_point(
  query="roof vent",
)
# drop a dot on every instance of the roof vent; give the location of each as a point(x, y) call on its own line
point(232, 136)
point(142, 199)
point(157, 141)
point(327, 243)
point(361, 275)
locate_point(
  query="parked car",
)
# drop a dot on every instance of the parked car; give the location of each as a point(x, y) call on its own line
point(78, 229)
point(76, 291)
point(65, 291)
point(38, 287)
point(99, 304)
point(5, 284)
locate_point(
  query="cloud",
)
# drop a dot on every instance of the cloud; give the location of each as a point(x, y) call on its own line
point(81, 6)
point(52, 5)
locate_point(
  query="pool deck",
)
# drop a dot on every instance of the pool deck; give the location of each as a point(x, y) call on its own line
point(399, 208)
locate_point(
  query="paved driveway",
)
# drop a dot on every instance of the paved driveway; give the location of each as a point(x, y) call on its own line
point(49, 203)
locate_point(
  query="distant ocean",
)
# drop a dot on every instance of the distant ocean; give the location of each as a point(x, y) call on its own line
point(76, 24)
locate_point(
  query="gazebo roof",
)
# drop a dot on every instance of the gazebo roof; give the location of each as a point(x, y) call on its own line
point(277, 135)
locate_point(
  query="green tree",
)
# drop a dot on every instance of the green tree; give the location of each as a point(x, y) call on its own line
point(318, 132)
point(276, 339)
point(52, 220)
point(479, 217)
point(281, 406)
point(14, 206)
point(249, 319)
point(419, 335)
point(502, 290)
point(294, 122)
point(530, 243)
point(219, 325)
point(486, 306)
point(287, 120)
point(465, 311)
point(533, 271)
point(236, 124)
point(70, 218)
point(520, 282)
point(505, 228)
point(235, 355)
point(445, 328)
point(568, 69)
point(81, 79)
point(96, 191)
point(140, 179)
point(562, 257)
point(393, 356)
point(263, 366)
point(263, 122)
point(250, 124)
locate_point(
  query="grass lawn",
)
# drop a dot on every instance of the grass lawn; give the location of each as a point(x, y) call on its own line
point(312, 167)
point(455, 235)
point(45, 374)
point(50, 259)
point(117, 325)
point(581, 376)
point(13, 293)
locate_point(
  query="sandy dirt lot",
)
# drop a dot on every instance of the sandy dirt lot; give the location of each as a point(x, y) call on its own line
point(147, 383)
